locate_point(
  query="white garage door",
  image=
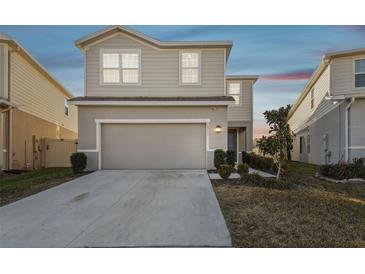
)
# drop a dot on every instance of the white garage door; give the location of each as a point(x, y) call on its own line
point(153, 146)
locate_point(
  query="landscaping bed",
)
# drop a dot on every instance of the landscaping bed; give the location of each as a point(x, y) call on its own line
point(309, 213)
point(14, 187)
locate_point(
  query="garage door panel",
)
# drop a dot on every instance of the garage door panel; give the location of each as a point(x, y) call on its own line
point(153, 146)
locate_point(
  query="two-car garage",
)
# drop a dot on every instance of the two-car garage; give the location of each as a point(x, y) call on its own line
point(153, 145)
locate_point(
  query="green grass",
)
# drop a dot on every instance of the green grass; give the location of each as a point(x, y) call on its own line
point(14, 187)
point(317, 214)
point(301, 168)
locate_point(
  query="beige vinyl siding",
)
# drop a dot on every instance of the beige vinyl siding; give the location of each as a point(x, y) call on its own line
point(35, 94)
point(243, 111)
point(343, 76)
point(3, 71)
point(159, 71)
point(304, 111)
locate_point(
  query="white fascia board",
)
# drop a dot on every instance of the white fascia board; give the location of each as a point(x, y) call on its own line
point(151, 103)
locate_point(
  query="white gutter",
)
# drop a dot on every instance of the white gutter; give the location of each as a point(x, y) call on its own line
point(347, 128)
point(151, 103)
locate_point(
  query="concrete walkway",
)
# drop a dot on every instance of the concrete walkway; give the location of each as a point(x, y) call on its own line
point(119, 209)
point(215, 176)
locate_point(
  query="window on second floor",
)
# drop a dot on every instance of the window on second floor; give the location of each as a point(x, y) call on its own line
point(234, 90)
point(312, 98)
point(359, 73)
point(190, 68)
point(66, 107)
point(121, 67)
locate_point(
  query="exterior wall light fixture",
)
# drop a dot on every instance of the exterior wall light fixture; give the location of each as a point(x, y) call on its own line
point(218, 129)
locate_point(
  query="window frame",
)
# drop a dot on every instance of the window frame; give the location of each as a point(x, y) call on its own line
point(239, 94)
point(355, 73)
point(120, 52)
point(301, 144)
point(66, 108)
point(181, 83)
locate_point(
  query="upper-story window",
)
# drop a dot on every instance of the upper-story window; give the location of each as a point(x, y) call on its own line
point(65, 107)
point(312, 98)
point(359, 73)
point(190, 68)
point(121, 67)
point(234, 90)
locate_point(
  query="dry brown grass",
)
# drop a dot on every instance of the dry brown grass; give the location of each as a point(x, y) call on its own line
point(320, 214)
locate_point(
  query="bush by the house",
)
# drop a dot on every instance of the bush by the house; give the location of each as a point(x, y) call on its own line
point(242, 169)
point(245, 157)
point(78, 162)
point(231, 158)
point(257, 180)
point(224, 171)
point(258, 162)
point(219, 158)
point(342, 171)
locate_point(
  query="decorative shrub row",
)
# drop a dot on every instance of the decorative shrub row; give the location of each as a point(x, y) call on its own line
point(221, 157)
point(342, 171)
point(259, 162)
point(257, 180)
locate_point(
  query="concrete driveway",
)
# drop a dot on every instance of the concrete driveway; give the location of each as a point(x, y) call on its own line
point(119, 209)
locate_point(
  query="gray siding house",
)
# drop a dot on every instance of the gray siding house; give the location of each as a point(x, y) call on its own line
point(150, 104)
point(328, 118)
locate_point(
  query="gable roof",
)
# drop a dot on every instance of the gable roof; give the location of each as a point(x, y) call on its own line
point(15, 45)
point(325, 62)
point(102, 34)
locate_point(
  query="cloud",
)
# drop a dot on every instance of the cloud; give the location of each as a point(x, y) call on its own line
point(288, 76)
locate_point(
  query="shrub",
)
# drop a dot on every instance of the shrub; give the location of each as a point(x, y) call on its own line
point(342, 171)
point(78, 162)
point(258, 162)
point(231, 158)
point(242, 169)
point(224, 171)
point(257, 180)
point(219, 158)
point(245, 157)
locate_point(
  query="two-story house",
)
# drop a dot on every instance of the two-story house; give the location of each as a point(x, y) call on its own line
point(33, 106)
point(328, 118)
point(150, 104)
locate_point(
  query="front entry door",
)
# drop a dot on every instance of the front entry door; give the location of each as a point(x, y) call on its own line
point(232, 139)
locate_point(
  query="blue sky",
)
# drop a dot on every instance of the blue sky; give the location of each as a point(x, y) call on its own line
point(284, 56)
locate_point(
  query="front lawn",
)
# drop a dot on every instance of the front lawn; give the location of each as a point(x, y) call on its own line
point(17, 186)
point(315, 214)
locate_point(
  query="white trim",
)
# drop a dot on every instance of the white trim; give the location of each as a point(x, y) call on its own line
point(120, 51)
point(347, 128)
point(240, 94)
point(148, 121)
point(87, 150)
point(356, 147)
point(152, 103)
point(199, 51)
point(354, 72)
point(224, 72)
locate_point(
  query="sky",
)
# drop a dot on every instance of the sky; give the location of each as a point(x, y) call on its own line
point(283, 56)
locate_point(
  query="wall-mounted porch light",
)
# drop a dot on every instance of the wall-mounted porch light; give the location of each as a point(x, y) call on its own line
point(218, 129)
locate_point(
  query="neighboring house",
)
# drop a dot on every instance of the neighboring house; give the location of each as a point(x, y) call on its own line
point(150, 104)
point(328, 118)
point(33, 106)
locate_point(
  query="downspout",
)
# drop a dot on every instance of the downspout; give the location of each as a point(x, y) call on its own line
point(347, 129)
